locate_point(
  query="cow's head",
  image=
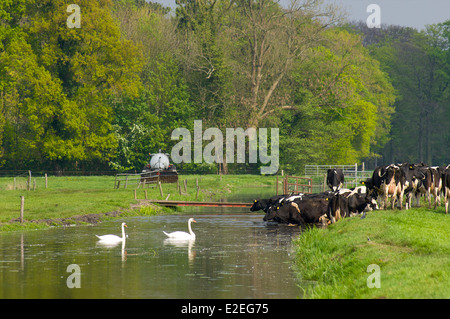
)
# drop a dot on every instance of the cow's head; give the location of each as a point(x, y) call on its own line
point(271, 213)
point(391, 170)
point(334, 179)
point(371, 203)
point(258, 204)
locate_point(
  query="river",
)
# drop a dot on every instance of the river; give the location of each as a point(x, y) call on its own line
point(235, 255)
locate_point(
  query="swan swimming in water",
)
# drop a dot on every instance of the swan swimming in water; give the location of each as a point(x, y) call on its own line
point(181, 235)
point(113, 239)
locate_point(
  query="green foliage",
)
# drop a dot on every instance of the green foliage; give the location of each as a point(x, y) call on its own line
point(56, 83)
point(112, 91)
point(343, 104)
point(418, 64)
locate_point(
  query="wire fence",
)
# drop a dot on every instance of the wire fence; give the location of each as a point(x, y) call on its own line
point(353, 174)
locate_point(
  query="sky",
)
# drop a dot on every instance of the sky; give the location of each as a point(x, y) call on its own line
point(410, 13)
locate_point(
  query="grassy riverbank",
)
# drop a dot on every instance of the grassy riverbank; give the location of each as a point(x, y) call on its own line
point(71, 197)
point(412, 249)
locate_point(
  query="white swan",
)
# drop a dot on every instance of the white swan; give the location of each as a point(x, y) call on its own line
point(181, 235)
point(113, 239)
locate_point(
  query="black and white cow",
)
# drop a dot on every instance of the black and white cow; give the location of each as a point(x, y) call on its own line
point(265, 204)
point(391, 183)
point(446, 187)
point(335, 178)
point(300, 212)
point(436, 186)
point(411, 176)
point(347, 203)
point(376, 184)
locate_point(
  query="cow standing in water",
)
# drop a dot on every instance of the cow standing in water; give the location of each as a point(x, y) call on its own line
point(335, 178)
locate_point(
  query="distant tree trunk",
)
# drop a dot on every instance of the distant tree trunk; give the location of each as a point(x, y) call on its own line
point(58, 168)
point(429, 159)
point(225, 166)
point(421, 135)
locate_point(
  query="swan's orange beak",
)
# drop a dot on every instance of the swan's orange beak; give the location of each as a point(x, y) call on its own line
point(125, 225)
point(194, 220)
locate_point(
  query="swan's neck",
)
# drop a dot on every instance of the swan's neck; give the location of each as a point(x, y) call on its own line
point(123, 233)
point(190, 229)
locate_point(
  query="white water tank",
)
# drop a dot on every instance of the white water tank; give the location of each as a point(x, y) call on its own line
point(159, 161)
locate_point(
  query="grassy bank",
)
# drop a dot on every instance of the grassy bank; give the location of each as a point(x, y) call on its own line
point(67, 197)
point(412, 249)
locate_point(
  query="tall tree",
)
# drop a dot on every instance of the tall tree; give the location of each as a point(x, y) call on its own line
point(343, 102)
point(62, 79)
point(417, 64)
point(143, 124)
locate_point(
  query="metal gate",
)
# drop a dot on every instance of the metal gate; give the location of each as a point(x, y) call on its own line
point(295, 185)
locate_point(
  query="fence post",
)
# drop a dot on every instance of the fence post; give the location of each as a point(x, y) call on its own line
point(46, 181)
point(160, 188)
point(22, 205)
point(198, 189)
point(135, 196)
point(277, 185)
point(29, 180)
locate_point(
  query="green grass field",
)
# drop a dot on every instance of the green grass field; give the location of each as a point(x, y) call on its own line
point(412, 249)
point(71, 196)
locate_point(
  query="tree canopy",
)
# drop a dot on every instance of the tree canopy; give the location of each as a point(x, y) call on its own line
point(104, 95)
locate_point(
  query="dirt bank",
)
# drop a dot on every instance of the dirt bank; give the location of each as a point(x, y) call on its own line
point(78, 219)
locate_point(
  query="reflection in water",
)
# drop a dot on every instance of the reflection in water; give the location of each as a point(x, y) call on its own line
point(189, 243)
point(234, 256)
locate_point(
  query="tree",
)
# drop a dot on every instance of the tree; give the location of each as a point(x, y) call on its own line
point(269, 41)
point(417, 63)
point(144, 123)
point(59, 81)
point(343, 102)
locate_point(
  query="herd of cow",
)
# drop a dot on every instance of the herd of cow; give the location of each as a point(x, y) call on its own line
point(395, 181)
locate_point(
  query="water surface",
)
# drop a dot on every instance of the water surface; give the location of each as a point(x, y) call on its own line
point(235, 255)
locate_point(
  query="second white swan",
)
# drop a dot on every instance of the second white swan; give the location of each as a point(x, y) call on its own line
point(181, 235)
point(113, 239)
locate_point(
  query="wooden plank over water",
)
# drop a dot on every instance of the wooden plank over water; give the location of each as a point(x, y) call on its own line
point(200, 204)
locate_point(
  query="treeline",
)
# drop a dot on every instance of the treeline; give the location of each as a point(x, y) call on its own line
point(104, 95)
point(418, 64)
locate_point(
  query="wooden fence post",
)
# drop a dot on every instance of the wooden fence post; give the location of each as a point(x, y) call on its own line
point(46, 180)
point(277, 185)
point(160, 188)
point(29, 181)
point(198, 189)
point(145, 192)
point(185, 185)
point(22, 205)
point(135, 195)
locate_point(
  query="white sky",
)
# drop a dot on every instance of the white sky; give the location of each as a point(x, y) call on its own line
point(411, 13)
